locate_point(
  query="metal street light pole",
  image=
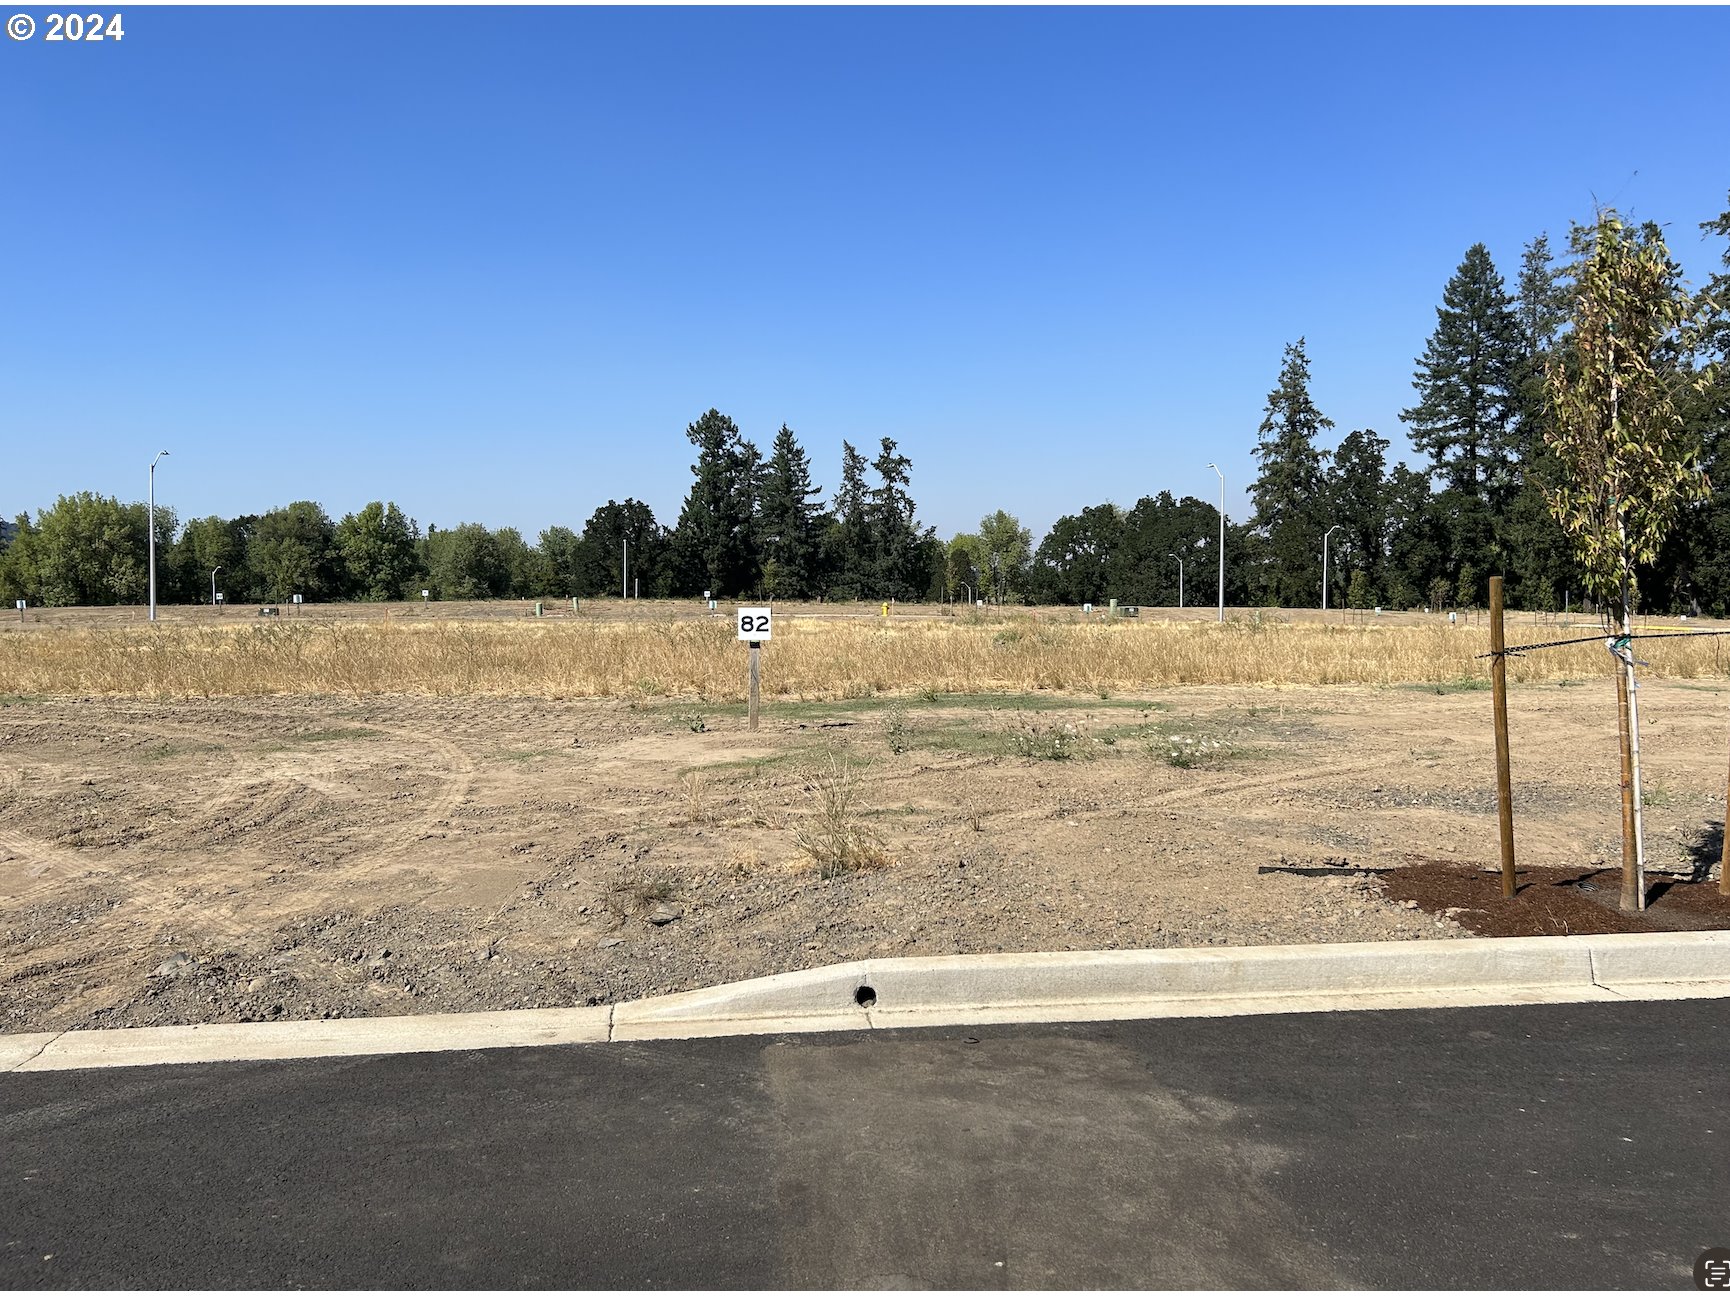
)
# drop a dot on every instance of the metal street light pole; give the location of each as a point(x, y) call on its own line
point(213, 572)
point(1179, 582)
point(152, 527)
point(1215, 468)
point(1330, 531)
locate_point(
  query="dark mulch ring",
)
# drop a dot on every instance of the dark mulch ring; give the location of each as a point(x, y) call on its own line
point(1554, 902)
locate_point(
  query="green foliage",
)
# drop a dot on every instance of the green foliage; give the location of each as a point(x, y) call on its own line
point(466, 562)
point(1626, 467)
point(85, 549)
point(1072, 563)
point(380, 554)
point(600, 561)
point(712, 545)
point(790, 524)
point(1005, 549)
point(292, 550)
point(1289, 493)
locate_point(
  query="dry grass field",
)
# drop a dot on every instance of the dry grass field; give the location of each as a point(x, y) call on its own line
point(344, 815)
point(814, 656)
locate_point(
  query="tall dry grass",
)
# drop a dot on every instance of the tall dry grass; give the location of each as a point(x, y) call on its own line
point(807, 659)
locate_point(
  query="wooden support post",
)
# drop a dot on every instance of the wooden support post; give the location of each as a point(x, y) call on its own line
point(1724, 851)
point(1504, 778)
point(1630, 856)
point(751, 708)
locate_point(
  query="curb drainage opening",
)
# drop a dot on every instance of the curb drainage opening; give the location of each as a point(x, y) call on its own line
point(865, 997)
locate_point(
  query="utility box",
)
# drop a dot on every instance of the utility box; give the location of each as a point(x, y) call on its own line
point(540, 609)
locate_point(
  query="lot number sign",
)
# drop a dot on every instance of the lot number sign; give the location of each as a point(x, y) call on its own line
point(754, 623)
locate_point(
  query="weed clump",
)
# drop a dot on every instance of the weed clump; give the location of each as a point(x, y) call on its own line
point(834, 838)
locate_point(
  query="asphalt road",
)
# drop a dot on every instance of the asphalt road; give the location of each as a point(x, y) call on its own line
point(1578, 1146)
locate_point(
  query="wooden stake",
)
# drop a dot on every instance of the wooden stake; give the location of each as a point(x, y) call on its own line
point(1630, 858)
point(756, 648)
point(1724, 851)
point(1504, 778)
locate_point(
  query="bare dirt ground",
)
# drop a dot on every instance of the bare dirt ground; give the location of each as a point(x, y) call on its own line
point(305, 857)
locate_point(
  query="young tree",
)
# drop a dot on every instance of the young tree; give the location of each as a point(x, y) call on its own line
point(789, 521)
point(1617, 433)
point(1288, 493)
point(380, 553)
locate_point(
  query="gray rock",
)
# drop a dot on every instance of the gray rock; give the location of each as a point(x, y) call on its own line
point(173, 966)
point(606, 943)
point(662, 915)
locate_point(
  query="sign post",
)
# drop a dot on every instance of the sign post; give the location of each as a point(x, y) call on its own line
point(21, 607)
point(754, 626)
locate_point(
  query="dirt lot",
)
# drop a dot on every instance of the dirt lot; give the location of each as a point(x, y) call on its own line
point(307, 857)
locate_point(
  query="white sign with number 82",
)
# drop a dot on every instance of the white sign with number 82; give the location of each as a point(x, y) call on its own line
point(754, 623)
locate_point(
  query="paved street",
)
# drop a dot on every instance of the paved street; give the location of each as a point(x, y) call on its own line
point(1578, 1146)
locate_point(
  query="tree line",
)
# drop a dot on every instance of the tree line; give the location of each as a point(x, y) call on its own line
point(749, 525)
point(1478, 503)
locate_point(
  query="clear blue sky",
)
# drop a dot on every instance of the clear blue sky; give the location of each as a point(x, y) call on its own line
point(490, 262)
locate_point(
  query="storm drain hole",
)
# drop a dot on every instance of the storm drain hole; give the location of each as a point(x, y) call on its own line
point(865, 997)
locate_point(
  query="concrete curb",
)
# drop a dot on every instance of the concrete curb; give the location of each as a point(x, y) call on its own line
point(958, 990)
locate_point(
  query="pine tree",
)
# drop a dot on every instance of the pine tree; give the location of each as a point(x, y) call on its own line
point(788, 521)
point(712, 542)
point(1468, 384)
point(1535, 553)
point(1357, 494)
point(1288, 492)
point(848, 552)
point(893, 527)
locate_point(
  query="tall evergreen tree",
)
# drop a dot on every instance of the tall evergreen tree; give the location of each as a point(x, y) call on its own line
point(789, 521)
point(1535, 553)
point(1468, 384)
point(1288, 491)
point(712, 542)
point(614, 532)
point(849, 552)
point(893, 527)
point(1358, 496)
